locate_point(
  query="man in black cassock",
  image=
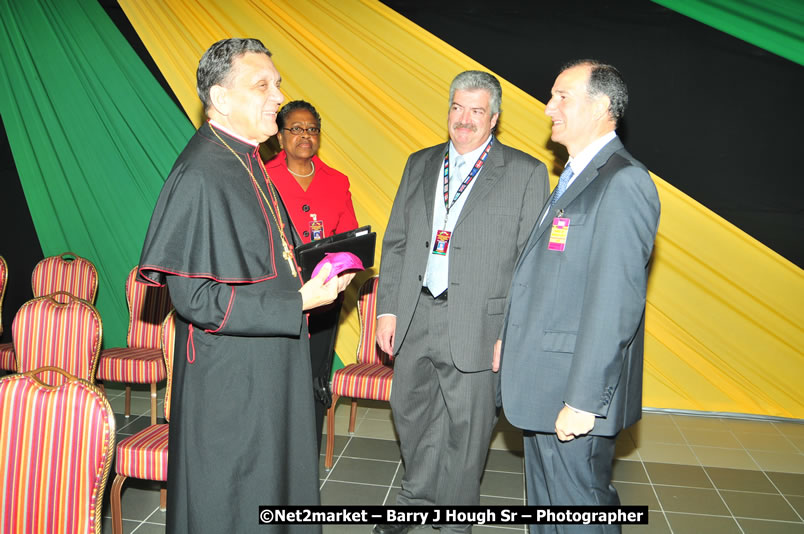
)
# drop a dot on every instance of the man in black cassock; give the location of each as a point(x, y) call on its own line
point(241, 429)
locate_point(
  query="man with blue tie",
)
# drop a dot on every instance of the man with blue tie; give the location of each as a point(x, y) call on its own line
point(573, 337)
point(461, 217)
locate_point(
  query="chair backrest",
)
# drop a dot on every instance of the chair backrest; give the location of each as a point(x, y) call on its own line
point(3, 280)
point(147, 307)
point(66, 335)
point(57, 445)
point(66, 272)
point(168, 349)
point(367, 350)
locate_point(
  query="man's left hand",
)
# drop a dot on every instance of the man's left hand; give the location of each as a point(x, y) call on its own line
point(571, 424)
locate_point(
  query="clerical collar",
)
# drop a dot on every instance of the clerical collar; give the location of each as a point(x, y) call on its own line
point(229, 132)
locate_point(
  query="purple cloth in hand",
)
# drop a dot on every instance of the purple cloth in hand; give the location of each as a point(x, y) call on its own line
point(340, 261)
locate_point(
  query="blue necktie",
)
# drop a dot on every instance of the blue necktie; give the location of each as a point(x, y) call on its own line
point(563, 181)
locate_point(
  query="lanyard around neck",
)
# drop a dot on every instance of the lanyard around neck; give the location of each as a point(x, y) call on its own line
point(475, 169)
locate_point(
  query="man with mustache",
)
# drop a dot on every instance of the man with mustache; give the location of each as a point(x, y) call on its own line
point(462, 214)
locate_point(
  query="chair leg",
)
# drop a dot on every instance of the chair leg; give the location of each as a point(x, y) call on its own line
point(153, 403)
point(127, 411)
point(352, 417)
point(330, 432)
point(117, 512)
point(163, 498)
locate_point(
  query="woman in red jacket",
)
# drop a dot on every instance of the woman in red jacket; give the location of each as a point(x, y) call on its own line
point(319, 203)
point(317, 196)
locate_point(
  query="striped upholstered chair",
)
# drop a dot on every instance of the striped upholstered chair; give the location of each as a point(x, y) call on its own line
point(7, 360)
point(61, 331)
point(57, 443)
point(62, 275)
point(371, 376)
point(66, 272)
point(140, 362)
point(145, 454)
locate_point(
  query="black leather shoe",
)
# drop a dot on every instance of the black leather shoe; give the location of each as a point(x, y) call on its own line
point(391, 529)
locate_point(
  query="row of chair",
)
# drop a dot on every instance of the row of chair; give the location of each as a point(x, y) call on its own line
point(142, 362)
point(58, 432)
point(139, 362)
point(56, 350)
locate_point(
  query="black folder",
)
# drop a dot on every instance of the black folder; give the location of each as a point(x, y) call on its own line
point(360, 242)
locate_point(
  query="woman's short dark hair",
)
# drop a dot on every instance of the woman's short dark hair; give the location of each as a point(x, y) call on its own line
point(215, 66)
point(293, 106)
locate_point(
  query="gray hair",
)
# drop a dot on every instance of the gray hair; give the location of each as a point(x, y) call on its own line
point(469, 80)
point(215, 66)
point(605, 80)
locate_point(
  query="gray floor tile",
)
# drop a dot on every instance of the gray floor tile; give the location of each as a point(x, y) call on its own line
point(337, 446)
point(139, 499)
point(797, 502)
point(391, 497)
point(509, 461)
point(634, 494)
point(628, 471)
point(487, 500)
point(677, 475)
point(788, 483)
point(134, 424)
point(657, 524)
point(336, 493)
point(495, 484)
point(375, 449)
point(740, 480)
point(128, 526)
point(691, 500)
point(150, 528)
point(365, 471)
point(682, 523)
point(758, 526)
point(759, 506)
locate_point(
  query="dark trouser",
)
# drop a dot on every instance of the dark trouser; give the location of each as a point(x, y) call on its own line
point(323, 327)
point(444, 416)
point(576, 472)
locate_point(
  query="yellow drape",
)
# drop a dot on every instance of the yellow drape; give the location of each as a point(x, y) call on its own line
point(725, 315)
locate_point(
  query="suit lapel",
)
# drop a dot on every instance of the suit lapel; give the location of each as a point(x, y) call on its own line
point(489, 175)
point(576, 188)
point(432, 177)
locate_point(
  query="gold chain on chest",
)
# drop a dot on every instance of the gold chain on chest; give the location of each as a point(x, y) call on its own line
point(286, 252)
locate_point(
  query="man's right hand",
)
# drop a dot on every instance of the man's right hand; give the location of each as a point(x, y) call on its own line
point(386, 329)
point(316, 292)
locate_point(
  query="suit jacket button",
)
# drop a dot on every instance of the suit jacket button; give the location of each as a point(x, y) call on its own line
point(420, 278)
point(426, 244)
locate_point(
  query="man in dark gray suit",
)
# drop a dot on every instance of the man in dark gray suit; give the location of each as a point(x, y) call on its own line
point(461, 217)
point(574, 329)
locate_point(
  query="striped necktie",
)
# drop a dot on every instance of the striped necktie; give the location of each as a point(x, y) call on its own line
point(563, 181)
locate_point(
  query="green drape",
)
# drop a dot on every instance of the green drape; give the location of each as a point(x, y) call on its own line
point(93, 137)
point(775, 25)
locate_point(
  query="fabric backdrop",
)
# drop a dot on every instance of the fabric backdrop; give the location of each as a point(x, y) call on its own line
point(724, 326)
point(724, 320)
point(93, 137)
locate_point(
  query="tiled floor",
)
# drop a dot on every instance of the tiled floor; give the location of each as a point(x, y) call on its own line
point(696, 474)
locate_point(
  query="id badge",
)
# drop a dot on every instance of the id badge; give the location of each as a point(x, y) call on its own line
point(558, 234)
point(316, 230)
point(441, 242)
